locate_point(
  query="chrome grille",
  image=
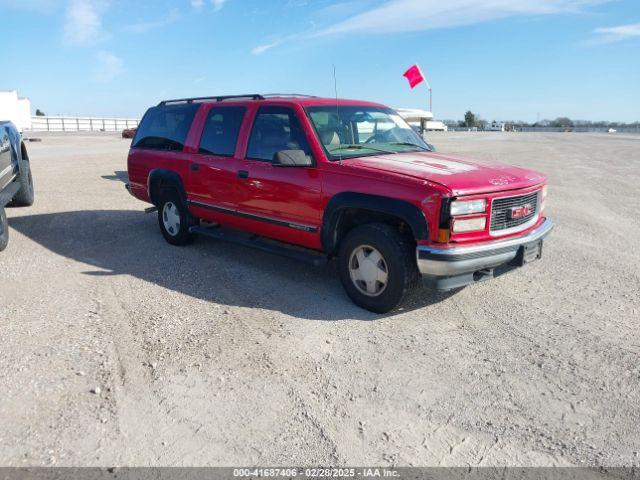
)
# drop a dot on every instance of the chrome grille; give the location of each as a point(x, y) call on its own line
point(501, 208)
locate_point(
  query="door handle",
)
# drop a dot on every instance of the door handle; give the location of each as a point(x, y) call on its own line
point(195, 167)
point(243, 174)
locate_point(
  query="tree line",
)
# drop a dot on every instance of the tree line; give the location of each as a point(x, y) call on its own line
point(472, 120)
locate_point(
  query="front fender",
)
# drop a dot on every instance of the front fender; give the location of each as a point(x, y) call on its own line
point(401, 209)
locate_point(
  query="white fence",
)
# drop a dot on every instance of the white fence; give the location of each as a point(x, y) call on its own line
point(81, 124)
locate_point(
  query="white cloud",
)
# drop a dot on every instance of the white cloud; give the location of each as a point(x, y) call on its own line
point(109, 67)
point(41, 6)
point(143, 27)
point(615, 34)
point(393, 16)
point(83, 23)
point(260, 49)
point(217, 4)
point(419, 15)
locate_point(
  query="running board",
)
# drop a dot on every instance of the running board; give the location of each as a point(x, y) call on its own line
point(270, 246)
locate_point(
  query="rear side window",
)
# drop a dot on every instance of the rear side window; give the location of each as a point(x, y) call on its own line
point(221, 130)
point(165, 127)
point(275, 129)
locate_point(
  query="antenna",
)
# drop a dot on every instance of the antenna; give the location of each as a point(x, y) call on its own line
point(335, 88)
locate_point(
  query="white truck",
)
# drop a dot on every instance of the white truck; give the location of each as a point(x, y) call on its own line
point(496, 127)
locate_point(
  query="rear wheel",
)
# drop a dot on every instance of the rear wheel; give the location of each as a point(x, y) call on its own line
point(377, 267)
point(4, 230)
point(174, 219)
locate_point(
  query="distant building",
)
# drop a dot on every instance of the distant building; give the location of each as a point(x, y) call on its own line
point(15, 109)
point(421, 119)
point(495, 127)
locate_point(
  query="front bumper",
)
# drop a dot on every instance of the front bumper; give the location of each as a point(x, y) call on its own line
point(452, 261)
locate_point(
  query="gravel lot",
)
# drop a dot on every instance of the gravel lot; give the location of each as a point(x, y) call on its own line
point(118, 349)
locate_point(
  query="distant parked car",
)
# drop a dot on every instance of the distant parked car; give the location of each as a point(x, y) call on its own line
point(335, 178)
point(16, 183)
point(129, 132)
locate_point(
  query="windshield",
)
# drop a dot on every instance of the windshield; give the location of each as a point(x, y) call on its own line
point(358, 131)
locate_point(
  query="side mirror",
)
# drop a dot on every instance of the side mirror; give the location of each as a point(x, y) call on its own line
point(292, 158)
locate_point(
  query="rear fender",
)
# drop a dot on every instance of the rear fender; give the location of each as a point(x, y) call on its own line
point(160, 179)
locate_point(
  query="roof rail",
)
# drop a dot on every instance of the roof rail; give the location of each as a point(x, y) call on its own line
point(269, 95)
point(252, 96)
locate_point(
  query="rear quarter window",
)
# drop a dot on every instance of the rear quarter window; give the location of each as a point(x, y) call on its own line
point(165, 127)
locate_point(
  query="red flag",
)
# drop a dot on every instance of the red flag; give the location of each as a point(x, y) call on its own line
point(414, 75)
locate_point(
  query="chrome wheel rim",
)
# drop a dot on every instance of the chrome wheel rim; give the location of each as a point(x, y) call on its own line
point(171, 219)
point(368, 271)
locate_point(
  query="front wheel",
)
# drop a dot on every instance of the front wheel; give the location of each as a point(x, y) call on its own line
point(377, 267)
point(25, 196)
point(174, 219)
point(4, 230)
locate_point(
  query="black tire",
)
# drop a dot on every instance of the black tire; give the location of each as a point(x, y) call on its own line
point(179, 235)
point(398, 260)
point(25, 196)
point(4, 229)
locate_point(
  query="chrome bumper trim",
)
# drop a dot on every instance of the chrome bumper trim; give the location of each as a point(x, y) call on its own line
point(466, 259)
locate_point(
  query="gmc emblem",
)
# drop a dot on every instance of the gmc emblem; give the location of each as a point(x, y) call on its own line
point(520, 212)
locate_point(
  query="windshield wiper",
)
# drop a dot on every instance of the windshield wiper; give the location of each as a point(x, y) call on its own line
point(409, 144)
point(356, 146)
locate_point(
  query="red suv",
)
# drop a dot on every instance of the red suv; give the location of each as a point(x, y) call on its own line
point(314, 178)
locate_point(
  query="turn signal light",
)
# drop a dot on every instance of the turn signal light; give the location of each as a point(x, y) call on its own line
point(443, 235)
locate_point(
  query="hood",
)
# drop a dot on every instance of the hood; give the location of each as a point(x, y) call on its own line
point(462, 176)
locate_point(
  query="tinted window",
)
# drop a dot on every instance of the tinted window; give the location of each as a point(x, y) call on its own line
point(165, 127)
point(221, 131)
point(275, 129)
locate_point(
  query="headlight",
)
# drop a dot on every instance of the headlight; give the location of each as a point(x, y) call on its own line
point(469, 225)
point(544, 192)
point(467, 207)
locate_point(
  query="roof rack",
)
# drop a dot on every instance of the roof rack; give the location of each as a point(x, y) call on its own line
point(252, 96)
